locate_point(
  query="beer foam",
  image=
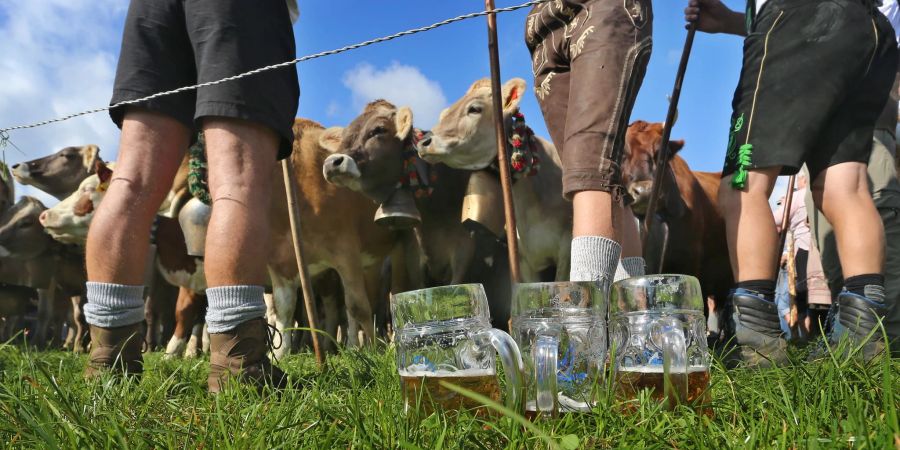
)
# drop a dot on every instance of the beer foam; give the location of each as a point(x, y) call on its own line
point(660, 369)
point(417, 372)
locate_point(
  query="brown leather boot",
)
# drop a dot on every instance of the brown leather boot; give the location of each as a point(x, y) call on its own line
point(241, 352)
point(117, 350)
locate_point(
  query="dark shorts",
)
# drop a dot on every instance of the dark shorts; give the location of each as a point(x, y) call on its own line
point(589, 59)
point(816, 77)
point(168, 44)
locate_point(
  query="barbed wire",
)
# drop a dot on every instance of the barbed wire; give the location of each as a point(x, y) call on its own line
point(4, 132)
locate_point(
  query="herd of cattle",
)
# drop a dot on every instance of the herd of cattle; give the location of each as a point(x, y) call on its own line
point(354, 262)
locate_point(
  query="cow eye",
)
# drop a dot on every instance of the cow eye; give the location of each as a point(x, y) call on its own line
point(474, 109)
point(69, 155)
point(377, 131)
point(26, 223)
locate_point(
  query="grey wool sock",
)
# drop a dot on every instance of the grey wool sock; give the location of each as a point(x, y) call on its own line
point(230, 306)
point(632, 266)
point(113, 305)
point(594, 258)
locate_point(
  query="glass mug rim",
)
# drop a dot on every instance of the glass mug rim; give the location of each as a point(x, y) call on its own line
point(478, 310)
point(598, 305)
point(638, 282)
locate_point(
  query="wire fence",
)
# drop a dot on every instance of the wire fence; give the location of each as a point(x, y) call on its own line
point(4, 132)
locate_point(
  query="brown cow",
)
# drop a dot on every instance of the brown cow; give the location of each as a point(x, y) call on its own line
point(372, 156)
point(696, 241)
point(60, 173)
point(7, 188)
point(465, 138)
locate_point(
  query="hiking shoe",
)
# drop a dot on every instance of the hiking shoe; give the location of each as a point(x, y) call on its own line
point(854, 317)
point(117, 350)
point(241, 353)
point(756, 331)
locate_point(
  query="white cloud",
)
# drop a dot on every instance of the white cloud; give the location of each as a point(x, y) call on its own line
point(58, 58)
point(334, 109)
point(400, 84)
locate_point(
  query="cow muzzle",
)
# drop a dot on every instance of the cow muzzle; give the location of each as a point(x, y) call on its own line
point(21, 173)
point(340, 170)
point(640, 192)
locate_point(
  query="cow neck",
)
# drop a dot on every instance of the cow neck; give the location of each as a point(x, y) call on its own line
point(521, 150)
point(417, 174)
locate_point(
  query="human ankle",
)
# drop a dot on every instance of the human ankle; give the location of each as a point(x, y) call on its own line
point(762, 288)
point(870, 286)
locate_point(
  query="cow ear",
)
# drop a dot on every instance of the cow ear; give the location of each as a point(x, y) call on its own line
point(403, 119)
point(90, 154)
point(482, 83)
point(675, 147)
point(104, 173)
point(512, 94)
point(330, 139)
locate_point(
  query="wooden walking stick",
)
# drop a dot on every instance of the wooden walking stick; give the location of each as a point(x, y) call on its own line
point(786, 218)
point(662, 155)
point(309, 300)
point(509, 208)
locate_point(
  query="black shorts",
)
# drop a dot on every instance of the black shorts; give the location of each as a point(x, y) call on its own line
point(816, 76)
point(168, 44)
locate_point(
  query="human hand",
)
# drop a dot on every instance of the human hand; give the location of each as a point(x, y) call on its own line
point(712, 16)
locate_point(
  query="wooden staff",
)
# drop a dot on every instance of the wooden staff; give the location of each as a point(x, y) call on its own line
point(309, 300)
point(785, 218)
point(509, 208)
point(662, 155)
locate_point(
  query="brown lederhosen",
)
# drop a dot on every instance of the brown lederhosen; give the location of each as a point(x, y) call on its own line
point(589, 59)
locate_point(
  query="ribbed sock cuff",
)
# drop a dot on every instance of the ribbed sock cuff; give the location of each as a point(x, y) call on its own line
point(230, 306)
point(632, 266)
point(594, 258)
point(113, 305)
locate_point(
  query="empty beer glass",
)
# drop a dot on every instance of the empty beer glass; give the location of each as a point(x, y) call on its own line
point(444, 335)
point(561, 330)
point(662, 346)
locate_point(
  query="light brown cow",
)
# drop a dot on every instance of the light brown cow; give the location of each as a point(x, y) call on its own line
point(60, 173)
point(31, 258)
point(372, 156)
point(696, 242)
point(465, 138)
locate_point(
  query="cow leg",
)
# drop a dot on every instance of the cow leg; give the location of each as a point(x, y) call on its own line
point(186, 310)
point(462, 260)
point(44, 312)
point(358, 305)
point(194, 343)
point(204, 343)
point(80, 323)
point(284, 293)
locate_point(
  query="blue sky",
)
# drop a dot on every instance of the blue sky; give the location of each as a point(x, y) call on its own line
point(60, 57)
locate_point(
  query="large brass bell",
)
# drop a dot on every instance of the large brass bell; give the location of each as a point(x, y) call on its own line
point(482, 209)
point(194, 219)
point(399, 212)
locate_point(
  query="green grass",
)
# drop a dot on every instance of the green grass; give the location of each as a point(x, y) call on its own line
point(355, 403)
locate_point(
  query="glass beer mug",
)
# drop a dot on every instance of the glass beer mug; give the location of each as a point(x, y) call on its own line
point(662, 346)
point(444, 334)
point(561, 330)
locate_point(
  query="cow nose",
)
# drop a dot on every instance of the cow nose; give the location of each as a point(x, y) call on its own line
point(15, 166)
point(425, 142)
point(338, 161)
point(44, 217)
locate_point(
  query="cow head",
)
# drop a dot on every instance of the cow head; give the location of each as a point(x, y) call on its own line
point(69, 220)
point(7, 188)
point(21, 235)
point(368, 155)
point(465, 137)
point(642, 142)
point(60, 173)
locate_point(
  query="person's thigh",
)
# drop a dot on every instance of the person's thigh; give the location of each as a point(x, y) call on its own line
point(155, 56)
point(609, 52)
point(231, 37)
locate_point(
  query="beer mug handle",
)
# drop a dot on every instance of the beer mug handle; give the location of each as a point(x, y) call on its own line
point(511, 360)
point(544, 353)
point(674, 348)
